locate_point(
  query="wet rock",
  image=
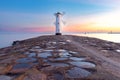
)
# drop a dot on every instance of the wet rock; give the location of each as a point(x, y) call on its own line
point(1, 54)
point(32, 55)
point(63, 53)
point(26, 60)
point(77, 59)
point(59, 65)
point(105, 51)
point(58, 59)
point(118, 50)
point(77, 73)
point(58, 76)
point(108, 48)
point(68, 40)
point(48, 69)
point(62, 42)
point(15, 43)
point(48, 50)
point(32, 74)
point(52, 42)
point(72, 52)
point(36, 47)
point(3, 77)
point(20, 68)
point(8, 60)
point(5, 68)
point(83, 64)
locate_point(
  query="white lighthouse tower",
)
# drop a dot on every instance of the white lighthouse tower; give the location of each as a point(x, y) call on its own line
point(58, 23)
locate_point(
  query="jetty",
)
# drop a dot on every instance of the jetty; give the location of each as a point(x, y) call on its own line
point(60, 57)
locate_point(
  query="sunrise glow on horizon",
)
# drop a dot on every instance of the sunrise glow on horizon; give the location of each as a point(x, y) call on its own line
point(81, 15)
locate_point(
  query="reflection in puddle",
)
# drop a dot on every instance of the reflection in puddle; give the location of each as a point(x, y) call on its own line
point(77, 73)
point(32, 55)
point(83, 64)
point(26, 60)
point(44, 54)
point(58, 59)
point(77, 59)
point(59, 64)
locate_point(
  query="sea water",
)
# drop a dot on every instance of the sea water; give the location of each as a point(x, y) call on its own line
point(6, 39)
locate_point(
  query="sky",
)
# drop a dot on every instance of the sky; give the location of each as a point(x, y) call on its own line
point(80, 15)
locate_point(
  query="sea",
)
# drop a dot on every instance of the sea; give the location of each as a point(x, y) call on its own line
point(6, 39)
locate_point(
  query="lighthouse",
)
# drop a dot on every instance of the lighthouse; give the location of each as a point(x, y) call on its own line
point(58, 23)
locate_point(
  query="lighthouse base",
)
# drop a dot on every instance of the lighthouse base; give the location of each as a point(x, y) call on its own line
point(58, 34)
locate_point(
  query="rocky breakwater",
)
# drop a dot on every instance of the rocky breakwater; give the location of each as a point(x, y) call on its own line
point(57, 58)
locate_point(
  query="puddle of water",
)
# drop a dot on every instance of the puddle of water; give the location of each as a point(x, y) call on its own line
point(32, 55)
point(26, 60)
point(59, 64)
point(77, 59)
point(3, 77)
point(77, 73)
point(61, 59)
point(44, 54)
point(58, 59)
point(26, 53)
point(83, 64)
point(23, 65)
point(118, 50)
